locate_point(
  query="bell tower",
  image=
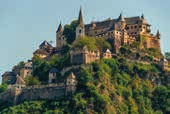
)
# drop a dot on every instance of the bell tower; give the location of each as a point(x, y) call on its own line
point(80, 31)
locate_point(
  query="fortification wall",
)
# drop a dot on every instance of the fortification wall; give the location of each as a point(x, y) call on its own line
point(42, 92)
point(7, 96)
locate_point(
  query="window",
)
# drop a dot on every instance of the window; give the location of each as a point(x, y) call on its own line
point(135, 27)
point(95, 32)
point(109, 34)
point(127, 28)
point(135, 32)
point(80, 31)
point(140, 26)
point(131, 27)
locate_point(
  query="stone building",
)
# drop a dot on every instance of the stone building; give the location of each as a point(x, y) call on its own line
point(71, 83)
point(53, 76)
point(118, 31)
point(84, 56)
point(8, 77)
point(27, 70)
point(107, 54)
point(60, 39)
point(44, 51)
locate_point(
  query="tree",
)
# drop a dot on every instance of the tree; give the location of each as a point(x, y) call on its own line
point(70, 31)
point(30, 80)
point(160, 96)
point(16, 68)
point(3, 87)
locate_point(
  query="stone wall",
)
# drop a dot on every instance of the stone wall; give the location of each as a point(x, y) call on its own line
point(46, 92)
point(7, 96)
point(16, 95)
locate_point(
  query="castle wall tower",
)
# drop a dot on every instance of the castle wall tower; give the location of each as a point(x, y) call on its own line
point(80, 30)
point(60, 39)
point(71, 83)
point(121, 23)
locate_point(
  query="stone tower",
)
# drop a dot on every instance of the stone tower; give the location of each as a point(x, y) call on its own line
point(53, 75)
point(71, 83)
point(121, 23)
point(60, 39)
point(80, 31)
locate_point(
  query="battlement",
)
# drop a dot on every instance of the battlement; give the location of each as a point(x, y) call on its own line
point(51, 91)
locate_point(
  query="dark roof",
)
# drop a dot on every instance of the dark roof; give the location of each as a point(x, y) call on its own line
point(80, 18)
point(41, 51)
point(60, 28)
point(19, 80)
point(121, 18)
point(8, 73)
point(110, 23)
point(53, 70)
point(45, 43)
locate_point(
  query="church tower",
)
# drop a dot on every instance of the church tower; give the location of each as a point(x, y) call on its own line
point(60, 39)
point(80, 31)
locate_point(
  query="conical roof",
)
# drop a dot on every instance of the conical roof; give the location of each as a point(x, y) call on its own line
point(121, 18)
point(19, 80)
point(71, 76)
point(80, 18)
point(60, 28)
point(142, 16)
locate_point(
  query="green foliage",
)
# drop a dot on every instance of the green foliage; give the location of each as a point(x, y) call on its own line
point(84, 41)
point(160, 96)
point(91, 43)
point(30, 80)
point(104, 87)
point(3, 87)
point(70, 31)
point(42, 67)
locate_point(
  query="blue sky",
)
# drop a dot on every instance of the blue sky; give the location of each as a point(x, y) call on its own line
point(26, 23)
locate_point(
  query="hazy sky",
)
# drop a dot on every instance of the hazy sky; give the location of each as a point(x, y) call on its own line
point(25, 23)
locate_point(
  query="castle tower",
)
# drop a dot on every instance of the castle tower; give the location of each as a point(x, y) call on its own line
point(27, 70)
point(121, 22)
point(53, 75)
point(80, 31)
point(60, 39)
point(71, 83)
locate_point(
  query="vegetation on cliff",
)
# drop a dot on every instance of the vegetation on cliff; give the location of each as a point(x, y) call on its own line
point(108, 86)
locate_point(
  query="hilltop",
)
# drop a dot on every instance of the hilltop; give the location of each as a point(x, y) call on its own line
point(107, 67)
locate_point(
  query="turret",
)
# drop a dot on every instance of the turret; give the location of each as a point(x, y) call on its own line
point(121, 18)
point(80, 31)
point(142, 16)
point(121, 22)
point(60, 39)
point(158, 34)
point(60, 28)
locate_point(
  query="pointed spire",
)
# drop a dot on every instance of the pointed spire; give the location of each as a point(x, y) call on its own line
point(121, 18)
point(80, 18)
point(158, 33)
point(60, 28)
point(142, 16)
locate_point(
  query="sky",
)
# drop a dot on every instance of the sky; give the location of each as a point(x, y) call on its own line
point(24, 24)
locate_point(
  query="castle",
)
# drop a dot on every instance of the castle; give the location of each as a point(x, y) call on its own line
point(118, 32)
